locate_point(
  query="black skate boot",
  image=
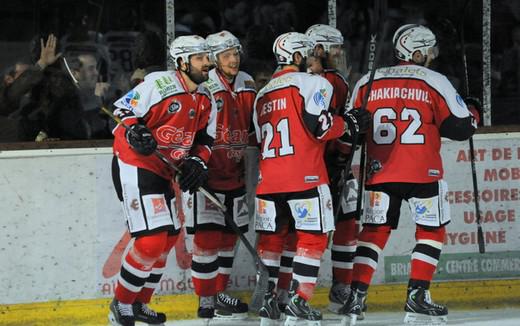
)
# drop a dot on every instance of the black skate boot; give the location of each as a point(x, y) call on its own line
point(283, 300)
point(421, 310)
point(227, 307)
point(206, 309)
point(354, 307)
point(298, 309)
point(146, 315)
point(121, 314)
point(338, 296)
point(269, 312)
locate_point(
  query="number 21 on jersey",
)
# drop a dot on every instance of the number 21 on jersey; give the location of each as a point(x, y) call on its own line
point(269, 134)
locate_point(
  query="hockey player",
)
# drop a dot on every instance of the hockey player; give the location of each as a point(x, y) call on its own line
point(170, 112)
point(293, 124)
point(328, 50)
point(412, 107)
point(214, 241)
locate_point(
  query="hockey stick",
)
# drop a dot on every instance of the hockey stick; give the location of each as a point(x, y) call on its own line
point(373, 57)
point(480, 234)
point(262, 273)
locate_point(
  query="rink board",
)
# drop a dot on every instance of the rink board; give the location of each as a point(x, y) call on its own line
point(63, 233)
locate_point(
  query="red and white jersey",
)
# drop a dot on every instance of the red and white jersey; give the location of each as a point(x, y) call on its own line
point(234, 111)
point(411, 107)
point(181, 122)
point(341, 90)
point(337, 105)
point(292, 123)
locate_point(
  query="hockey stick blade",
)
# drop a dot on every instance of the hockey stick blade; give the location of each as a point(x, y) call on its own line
point(262, 273)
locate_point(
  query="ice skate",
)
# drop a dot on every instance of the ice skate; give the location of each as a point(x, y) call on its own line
point(206, 309)
point(269, 312)
point(144, 314)
point(121, 314)
point(338, 296)
point(353, 308)
point(283, 300)
point(299, 309)
point(421, 310)
point(227, 307)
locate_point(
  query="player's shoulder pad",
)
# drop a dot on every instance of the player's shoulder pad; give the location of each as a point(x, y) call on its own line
point(164, 83)
point(213, 83)
point(204, 90)
point(244, 81)
point(141, 97)
point(337, 74)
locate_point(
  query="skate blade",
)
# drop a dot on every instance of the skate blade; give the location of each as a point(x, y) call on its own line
point(294, 321)
point(112, 319)
point(206, 321)
point(268, 322)
point(335, 307)
point(349, 320)
point(426, 320)
point(235, 316)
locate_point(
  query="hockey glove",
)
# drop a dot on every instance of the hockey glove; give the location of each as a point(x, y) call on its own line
point(475, 107)
point(194, 174)
point(141, 139)
point(358, 121)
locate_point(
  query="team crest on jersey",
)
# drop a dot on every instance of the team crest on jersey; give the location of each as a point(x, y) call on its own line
point(131, 99)
point(174, 107)
point(191, 113)
point(220, 104)
point(319, 98)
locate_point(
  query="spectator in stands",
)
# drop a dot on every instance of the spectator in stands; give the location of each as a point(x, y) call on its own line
point(8, 126)
point(48, 100)
point(149, 56)
point(92, 93)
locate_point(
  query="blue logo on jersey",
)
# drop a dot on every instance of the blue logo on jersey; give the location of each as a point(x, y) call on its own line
point(460, 100)
point(131, 99)
point(302, 209)
point(319, 98)
point(420, 209)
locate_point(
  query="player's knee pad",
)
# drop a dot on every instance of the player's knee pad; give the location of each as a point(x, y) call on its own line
point(150, 247)
point(228, 240)
point(377, 234)
point(377, 229)
point(272, 242)
point(170, 242)
point(346, 232)
point(430, 233)
point(207, 240)
point(311, 242)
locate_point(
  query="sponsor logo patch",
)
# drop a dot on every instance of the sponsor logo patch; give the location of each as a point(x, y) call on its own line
point(131, 99)
point(303, 209)
point(159, 206)
point(319, 98)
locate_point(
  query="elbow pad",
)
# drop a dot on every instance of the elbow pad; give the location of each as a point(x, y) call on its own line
point(457, 128)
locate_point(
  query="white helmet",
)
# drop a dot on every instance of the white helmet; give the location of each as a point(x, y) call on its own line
point(222, 41)
point(325, 35)
point(288, 44)
point(410, 38)
point(185, 46)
